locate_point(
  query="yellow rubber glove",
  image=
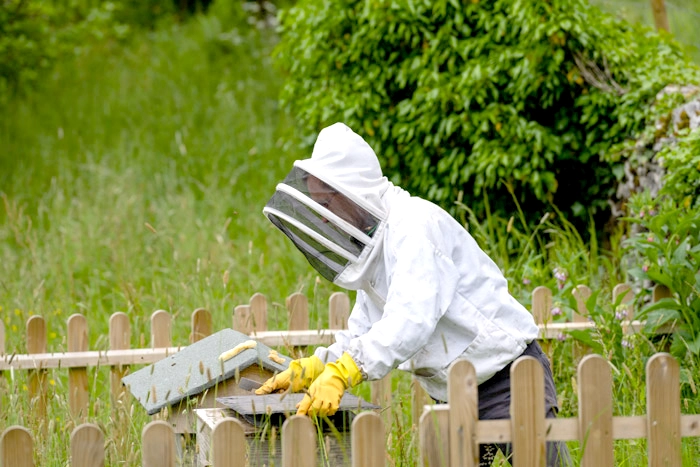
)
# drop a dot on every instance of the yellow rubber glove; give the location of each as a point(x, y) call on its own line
point(299, 376)
point(323, 398)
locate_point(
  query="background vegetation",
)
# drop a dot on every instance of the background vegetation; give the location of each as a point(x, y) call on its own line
point(138, 147)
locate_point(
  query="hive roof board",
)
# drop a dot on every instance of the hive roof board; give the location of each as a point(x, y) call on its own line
point(181, 375)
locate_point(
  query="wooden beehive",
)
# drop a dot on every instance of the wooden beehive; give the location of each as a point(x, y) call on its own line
point(194, 377)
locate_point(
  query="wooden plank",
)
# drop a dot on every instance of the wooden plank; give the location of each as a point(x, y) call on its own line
point(542, 312)
point(338, 311)
point(581, 293)
point(119, 339)
point(36, 343)
point(664, 410)
point(381, 395)
point(158, 445)
point(161, 322)
point(258, 310)
point(527, 412)
point(433, 435)
point(78, 395)
point(658, 8)
point(16, 447)
point(463, 396)
point(298, 308)
point(419, 398)
point(660, 291)
point(228, 443)
point(567, 429)
point(242, 319)
point(368, 441)
point(200, 323)
point(87, 446)
point(595, 412)
point(298, 442)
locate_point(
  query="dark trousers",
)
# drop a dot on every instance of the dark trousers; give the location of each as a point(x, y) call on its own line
point(494, 404)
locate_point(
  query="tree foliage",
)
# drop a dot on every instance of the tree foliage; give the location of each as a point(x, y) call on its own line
point(484, 100)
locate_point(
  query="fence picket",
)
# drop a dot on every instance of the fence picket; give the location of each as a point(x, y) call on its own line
point(228, 444)
point(258, 310)
point(367, 439)
point(434, 436)
point(78, 395)
point(338, 311)
point(36, 343)
point(200, 323)
point(542, 312)
point(298, 442)
point(463, 397)
point(160, 329)
point(298, 309)
point(663, 410)
point(87, 446)
point(158, 445)
point(595, 412)
point(16, 447)
point(624, 291)
point(527, 412)
point(243, 319)
point(119, 339)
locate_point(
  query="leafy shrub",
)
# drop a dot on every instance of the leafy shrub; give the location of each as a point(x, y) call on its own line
point(666, 250)
point(474, 97)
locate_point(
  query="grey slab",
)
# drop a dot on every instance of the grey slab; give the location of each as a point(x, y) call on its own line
point(196, 368)
point(284, 403)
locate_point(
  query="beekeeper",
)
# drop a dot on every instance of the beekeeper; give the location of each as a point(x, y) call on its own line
point(426, 293)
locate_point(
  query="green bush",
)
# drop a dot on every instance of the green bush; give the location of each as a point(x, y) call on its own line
point(666, 251)
point(481, 97)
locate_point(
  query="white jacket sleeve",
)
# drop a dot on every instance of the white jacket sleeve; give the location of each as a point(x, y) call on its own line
point(422, 281)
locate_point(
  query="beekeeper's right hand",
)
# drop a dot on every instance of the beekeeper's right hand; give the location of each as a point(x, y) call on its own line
point(299, 376)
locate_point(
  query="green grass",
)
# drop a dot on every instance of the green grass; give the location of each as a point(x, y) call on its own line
point(134, 180)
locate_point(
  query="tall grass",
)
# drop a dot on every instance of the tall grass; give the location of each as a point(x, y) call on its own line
point(134, 180)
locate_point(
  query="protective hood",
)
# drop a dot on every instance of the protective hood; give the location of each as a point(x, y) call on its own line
point(330, 206)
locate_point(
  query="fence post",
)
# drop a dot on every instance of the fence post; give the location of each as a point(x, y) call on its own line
point(434, 437)
point(228, 448)
point(542, 312)
point(664, 410)
point(158, 445)
point(595, 412)
point(36, 343)
point(16, 447)
point(242, 319)
point(298, 309)
point(338, 311)
point(367, 439)
point(463, 398)
point(527, 412)
point(119, 339)
point(658, 8)
point(258, 310)
point(200, 323)
point(298, 442)
point(87, 446)
point(160, 329)
point(78, 395)
point(582, 293)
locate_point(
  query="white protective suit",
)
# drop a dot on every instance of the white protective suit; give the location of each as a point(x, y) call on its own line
point(426, 293)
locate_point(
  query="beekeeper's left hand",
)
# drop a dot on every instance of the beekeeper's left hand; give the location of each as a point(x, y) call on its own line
point(323, 397)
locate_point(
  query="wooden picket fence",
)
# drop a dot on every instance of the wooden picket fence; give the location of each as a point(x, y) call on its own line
point(449, 434)
point(250, 319)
